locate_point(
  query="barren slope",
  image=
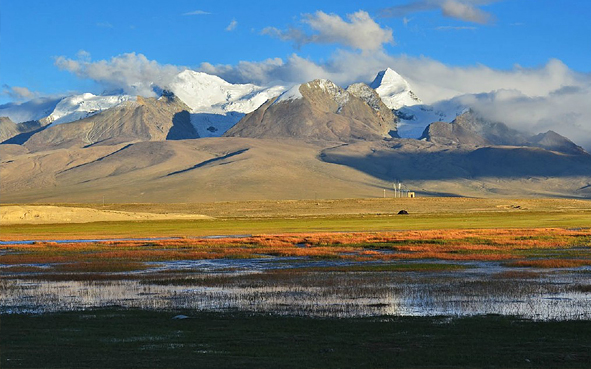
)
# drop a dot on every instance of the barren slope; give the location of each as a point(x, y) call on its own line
point(181, 171)
point(142, 120)
point(233, 169)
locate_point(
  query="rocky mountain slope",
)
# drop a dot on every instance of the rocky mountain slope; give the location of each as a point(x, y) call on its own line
point(319, 111)
point(471, 129)
point(8, 129)
point(12, 133)
point(146, 119)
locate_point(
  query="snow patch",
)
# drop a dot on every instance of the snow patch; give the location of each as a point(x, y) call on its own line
point(77, 107)
point(35, 109)
point(338, 94)
point(290, 95)
point(414, 119)
point(205, 93)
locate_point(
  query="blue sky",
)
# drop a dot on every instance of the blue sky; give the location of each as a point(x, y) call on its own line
point(523, 62)
point(528, 33)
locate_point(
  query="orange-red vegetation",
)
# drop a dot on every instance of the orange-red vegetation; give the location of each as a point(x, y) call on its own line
point(545, 246)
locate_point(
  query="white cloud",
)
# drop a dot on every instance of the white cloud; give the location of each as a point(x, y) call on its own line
point(232, 26)
point(197, 12)
point(18, 93)
point(132, 73)
point(466, 10)
point(565, 111)
point(360, 32)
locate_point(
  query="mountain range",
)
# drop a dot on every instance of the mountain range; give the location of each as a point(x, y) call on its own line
point(205, 139)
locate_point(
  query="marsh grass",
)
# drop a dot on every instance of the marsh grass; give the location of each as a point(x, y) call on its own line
point(546, 248)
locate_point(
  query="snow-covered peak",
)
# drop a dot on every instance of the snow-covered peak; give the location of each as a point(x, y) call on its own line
point(64, 110)
point(391, 79)
point(394, 90)
point(413, 119)
point(326, 86)
point(289, 95)
point(206, 93)
point(77, 107)
point(35, 109)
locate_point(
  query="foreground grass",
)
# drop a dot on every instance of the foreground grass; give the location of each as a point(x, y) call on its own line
point(114, 338)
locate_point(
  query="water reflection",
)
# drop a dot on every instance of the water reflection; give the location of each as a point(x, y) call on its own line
point(548, 295)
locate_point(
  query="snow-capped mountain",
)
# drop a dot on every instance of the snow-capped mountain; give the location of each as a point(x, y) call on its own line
point(394, 90)
point(413, 115)
point(77, 107)
point(320, 111)
point(64, 110)
point(217, 104)
point(206, 93)
point(412, 120)
point(35, 109)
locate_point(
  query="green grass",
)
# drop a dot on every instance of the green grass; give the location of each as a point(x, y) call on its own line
point(195, 228)
point(144, 339)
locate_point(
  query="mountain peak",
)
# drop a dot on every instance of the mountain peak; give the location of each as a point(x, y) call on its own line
point(319, 110)
point(389, 77)
point(394, 90)
point(200, 78)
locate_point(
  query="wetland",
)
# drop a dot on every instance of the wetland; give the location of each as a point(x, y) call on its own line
point(498, 296)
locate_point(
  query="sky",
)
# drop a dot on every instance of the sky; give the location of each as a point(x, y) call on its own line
point(530, 56)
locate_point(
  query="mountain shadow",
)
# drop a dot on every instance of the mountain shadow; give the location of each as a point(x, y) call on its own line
point(181, 127)
point(434, 162)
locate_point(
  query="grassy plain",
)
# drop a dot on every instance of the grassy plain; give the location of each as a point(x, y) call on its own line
point(349, 215)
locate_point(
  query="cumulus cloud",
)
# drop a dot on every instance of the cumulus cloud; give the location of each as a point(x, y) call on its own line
point(232, 26)
point(132, 73)
point(360, 32)
point(18, 93)
point(466, 10)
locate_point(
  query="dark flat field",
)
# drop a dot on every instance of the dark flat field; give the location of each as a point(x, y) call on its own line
point(113, 338)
